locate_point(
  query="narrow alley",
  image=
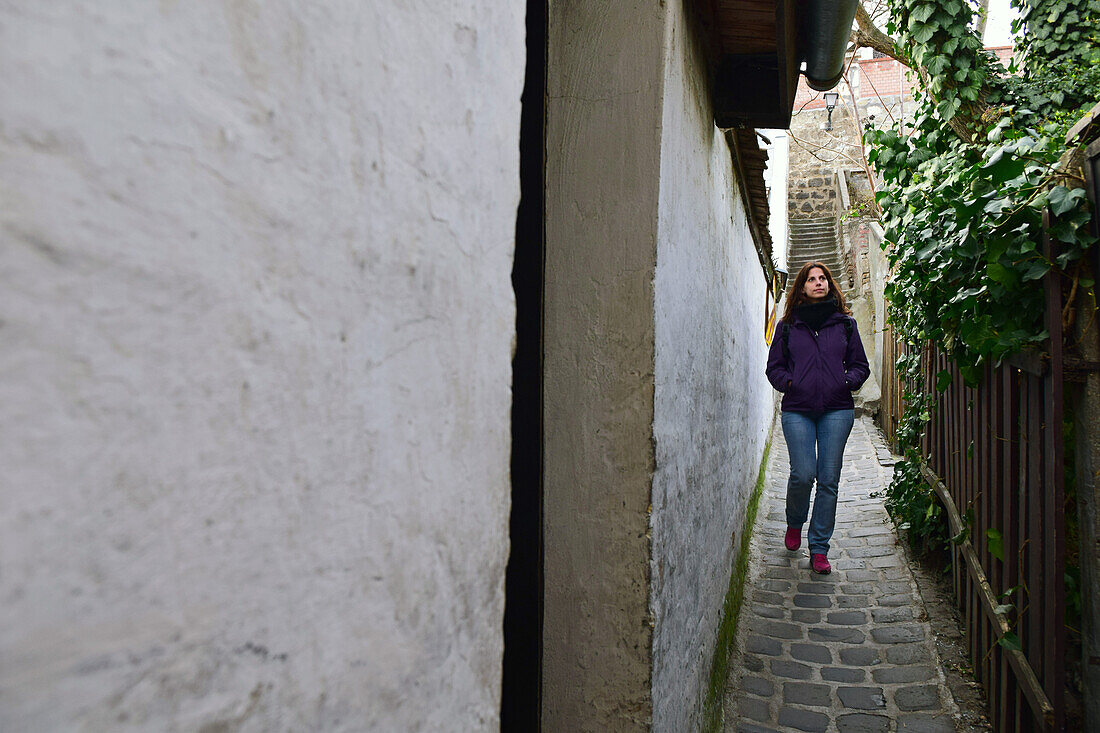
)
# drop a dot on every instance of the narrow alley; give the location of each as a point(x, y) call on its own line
point(404, 366)
point(848, 651)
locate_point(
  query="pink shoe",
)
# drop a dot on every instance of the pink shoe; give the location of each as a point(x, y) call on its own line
point(793, 538)
point(820, 564)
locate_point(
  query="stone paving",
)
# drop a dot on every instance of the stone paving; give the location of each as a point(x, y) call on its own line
point(848, 651)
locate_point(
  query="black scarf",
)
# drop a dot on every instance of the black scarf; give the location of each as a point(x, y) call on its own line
point(814, 315)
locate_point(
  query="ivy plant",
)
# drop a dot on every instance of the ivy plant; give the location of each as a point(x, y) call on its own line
point(964, 187)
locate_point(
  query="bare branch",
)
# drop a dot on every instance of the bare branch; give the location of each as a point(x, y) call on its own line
point(852, 103)
point(868, 35)
point(983, 15)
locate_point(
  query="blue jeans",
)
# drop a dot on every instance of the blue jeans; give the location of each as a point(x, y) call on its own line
point(815, 444)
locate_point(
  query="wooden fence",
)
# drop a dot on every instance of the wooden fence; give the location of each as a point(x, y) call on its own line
point(993, 454)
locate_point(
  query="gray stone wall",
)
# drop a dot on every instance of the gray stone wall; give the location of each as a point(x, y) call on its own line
point(712, 402)
point(255, 338)
point(815, 154)
point(813, 197)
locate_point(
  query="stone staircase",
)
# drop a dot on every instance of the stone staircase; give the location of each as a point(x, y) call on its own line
point(816, 240)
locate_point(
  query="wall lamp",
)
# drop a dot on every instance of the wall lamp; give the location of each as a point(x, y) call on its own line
point(830, 104)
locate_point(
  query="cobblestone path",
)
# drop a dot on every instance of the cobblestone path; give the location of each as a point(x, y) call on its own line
point(849, 651)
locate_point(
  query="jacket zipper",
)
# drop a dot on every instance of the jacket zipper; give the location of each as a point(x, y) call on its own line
point(821, 368)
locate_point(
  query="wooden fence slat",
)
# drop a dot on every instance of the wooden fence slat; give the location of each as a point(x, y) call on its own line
point(1005, 408)
point(1034, 578)
point(1053, 479)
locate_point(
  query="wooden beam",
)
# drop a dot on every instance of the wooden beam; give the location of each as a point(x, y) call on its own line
point(1025, 675)
point(763, 246)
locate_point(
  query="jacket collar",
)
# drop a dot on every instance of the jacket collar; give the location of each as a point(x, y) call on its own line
point(836, 317)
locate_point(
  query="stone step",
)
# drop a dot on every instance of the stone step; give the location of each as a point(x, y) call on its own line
point(826, 257)
point(797, 262)
point(814, 246)
point(829, 246)
point(833, 266)
point(832, 262)
point(819, 221)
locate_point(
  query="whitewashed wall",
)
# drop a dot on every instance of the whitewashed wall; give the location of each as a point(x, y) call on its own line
point(880, 271)
point(712, 402)
point(775, 174)
point(255, 342)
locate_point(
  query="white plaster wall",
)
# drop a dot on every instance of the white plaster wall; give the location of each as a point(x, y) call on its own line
point(712, 403)
point(255, 333)
point(776, 172)
point(879, 267)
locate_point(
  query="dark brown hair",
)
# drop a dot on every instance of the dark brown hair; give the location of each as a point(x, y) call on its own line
point(796, 296)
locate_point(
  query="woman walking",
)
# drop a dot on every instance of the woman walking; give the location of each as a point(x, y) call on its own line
point(816, 361)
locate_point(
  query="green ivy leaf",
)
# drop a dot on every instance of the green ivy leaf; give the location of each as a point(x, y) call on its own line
point(1062, 199)
point(921, 32)
point(1001, 274)
point(995, 544)
point(1036, 271)
point(1011, 642)
point(921, 13)
point(1064, 230)
point(943, 380)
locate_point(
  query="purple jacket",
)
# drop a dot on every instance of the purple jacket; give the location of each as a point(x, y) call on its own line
point(822, 369)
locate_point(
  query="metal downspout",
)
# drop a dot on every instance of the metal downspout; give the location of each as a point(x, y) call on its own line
point(826, 26)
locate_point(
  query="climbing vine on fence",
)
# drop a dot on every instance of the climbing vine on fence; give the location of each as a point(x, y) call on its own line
point(964, 187)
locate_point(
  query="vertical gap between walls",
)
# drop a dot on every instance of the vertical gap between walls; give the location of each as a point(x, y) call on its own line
point(522, 667)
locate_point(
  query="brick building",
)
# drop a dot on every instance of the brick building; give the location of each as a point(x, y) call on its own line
point(877, 77)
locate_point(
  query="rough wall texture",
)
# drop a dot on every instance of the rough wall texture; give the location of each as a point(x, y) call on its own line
point(603, 128)
point(255, 327)
point(712, 402)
